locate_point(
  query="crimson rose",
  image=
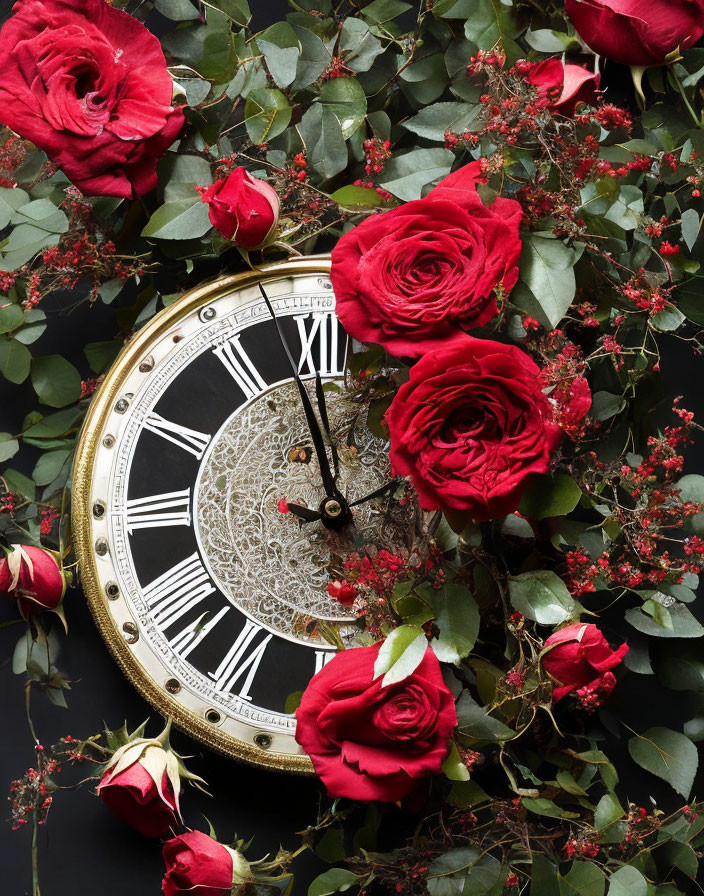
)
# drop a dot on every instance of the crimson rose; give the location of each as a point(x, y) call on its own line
point(138, 790)
point(88, 84)
point(635, 32)
point(369, 742)
point(580, 659)
point(197, 865)
point(32, 576)
point(243, 208)
point(412, 276)
point(470, 425)
point(565, 85)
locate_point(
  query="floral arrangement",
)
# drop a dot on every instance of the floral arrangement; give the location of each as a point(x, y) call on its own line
point(512, 195)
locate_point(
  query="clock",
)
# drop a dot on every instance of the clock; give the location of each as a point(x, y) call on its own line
point(224, 472)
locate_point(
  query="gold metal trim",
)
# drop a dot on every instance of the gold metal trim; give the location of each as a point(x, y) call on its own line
point(82, 519)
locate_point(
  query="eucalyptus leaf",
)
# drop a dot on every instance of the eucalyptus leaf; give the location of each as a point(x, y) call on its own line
point(400, 654)
point(669, 755)
point(56, 381)
point(547, 271)
point(541, 596)
point(15, 360)
point(406, 174)
point(474, 721)
point(627, 881)
point(267, 114)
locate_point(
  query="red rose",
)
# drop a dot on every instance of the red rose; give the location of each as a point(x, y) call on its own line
point(342, 591)
point(470, 425)
point(565, 85)
point(243, 208)
point(197, 865)
point(140, 792)
point(369, 742)
point(411, 277)
point(635, 32)
point(580, 657)
point(32, 576)
point(88, 84)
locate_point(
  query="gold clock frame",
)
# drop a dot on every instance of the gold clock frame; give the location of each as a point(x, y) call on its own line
point(83, 522)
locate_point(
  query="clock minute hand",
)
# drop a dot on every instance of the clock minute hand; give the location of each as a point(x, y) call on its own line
point(377, 493)
point(326, 473)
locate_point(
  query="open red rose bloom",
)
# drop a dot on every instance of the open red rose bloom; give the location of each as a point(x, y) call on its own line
point(369, 742)
point(425, 271)
point(88, 84)
point(470, 425)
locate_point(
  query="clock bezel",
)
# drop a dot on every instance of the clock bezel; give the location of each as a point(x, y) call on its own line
point(92, 432)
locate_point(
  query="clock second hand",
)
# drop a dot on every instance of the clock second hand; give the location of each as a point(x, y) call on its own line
point(334, 511)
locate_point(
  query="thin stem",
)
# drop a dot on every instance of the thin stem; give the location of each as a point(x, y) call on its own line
point(35, 856)
point(697, 121)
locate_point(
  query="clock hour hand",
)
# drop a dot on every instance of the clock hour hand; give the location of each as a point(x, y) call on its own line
point(323, 409)
point(305, 513)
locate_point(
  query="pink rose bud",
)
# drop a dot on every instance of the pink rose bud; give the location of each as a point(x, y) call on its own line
point(141, 784)
point(33, 577)
point(243, 209)
point(637, 33)
point(197, 865)
point(578, 656)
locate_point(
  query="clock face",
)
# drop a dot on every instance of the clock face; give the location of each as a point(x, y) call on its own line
point(211, 597)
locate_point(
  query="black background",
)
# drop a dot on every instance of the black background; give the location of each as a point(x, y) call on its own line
point(83, 849)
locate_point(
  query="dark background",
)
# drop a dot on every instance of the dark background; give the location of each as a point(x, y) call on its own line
point(83, 849)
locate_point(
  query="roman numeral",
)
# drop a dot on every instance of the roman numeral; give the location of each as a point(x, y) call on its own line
point(189, 439)
point(239, 365)
point(322, 658)
point(322, 324)
point(169, 509)
point(186, 641)
point(177, 591)
point(241, 658)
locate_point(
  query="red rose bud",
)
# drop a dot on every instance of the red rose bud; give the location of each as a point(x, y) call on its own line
point(635, 32)
point(470, 426)
point(33, 577)
point(369, 742)
point(243, 209)
point(565, 85)
point(88, 84)
point(141, 785)
point(579, 657)
point(342, 591)
point(197, 865)
point(413, 276)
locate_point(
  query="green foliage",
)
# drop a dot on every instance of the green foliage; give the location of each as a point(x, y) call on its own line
point(543, 597)
point(668, 754)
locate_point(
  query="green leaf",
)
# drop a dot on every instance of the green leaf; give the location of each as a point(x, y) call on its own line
point(357, 197)
point(457, 618)
point(606, 405)
point(432, 121)
point(453, 767)
point(406, 174)
point(547, 270)
point(11, 198)
point(56, 381)
point(583, 879)
point(490, 22)
point(608, 810)
point(182, 173)
point(237, 10)
point(33, 327)
point(667, 754)
point(54, 425)
point(8, 446)
point(335, 880)
point(100, 355)
point(670, 318)
point(542, 597)
point(11, 317)
point(208, 47)
point(546, 41)
point(691, 225)
point(49, 465)
point(313, 59)
point(267, 113)
point(400, 654)
point(345, 98)
point(547, 496)
point(321, 134)
point(543, 877)
point(379, 11)
point(177, 10)
point(15, 360)
point(358, 44)
point(541, 806)
point(474, 721)
point(281, 50)
point(682, 624)
point(627, 881)
point(181, 219)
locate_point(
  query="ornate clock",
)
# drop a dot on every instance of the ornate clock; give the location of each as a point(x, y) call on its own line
point(210, 595)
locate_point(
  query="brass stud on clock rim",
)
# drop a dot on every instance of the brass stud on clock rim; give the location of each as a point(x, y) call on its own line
point(207, 314)
point(147, 365)
point(213, 716)
point(172, 686)
point(112, 589)
point(263, 741)
point(131, 632)
point(101, 547)
point(98, 510)
point(121, 405)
